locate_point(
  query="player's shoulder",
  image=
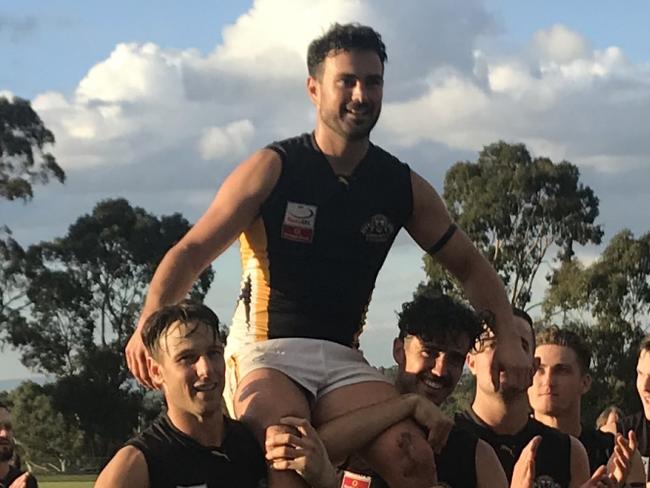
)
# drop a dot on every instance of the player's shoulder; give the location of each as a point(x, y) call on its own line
point(288, 145)
point(128, 468)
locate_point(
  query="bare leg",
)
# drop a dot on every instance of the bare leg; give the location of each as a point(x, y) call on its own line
point(400, 454)
point(262, 398)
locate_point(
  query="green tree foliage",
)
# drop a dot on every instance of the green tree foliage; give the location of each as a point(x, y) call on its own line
point(12, 279)
point(24, 159)
point(48, 440)
point(83, 294)
point(615, 287)
point(85, 290)
point(23, 162)
point(515, 208)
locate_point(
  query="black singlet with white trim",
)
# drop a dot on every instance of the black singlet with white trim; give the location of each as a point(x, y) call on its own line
point(553, 460)
point(311, 258)
point(176, 460)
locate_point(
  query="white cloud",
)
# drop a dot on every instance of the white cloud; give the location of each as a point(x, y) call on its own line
point(144, 103)
point(232, 140)
point(134, 73)
point(560, 45)
point(580, 104)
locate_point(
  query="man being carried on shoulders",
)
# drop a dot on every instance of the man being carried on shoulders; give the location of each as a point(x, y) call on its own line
point(316, 216)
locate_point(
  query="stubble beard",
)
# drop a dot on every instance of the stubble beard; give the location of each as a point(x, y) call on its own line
point(6, 452)
point(349, 132)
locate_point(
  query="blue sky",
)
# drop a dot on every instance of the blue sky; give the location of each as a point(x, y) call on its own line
point(157, 101)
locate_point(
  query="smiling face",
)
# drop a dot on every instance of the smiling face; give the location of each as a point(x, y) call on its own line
point(6, 436)
point(188, 366)
point(347, 92)
point(430, 369)
point(558, 383)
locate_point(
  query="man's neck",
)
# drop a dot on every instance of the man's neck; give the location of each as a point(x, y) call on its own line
point(207, 431)
point(4, 469)
point(343, 155)
point(503, 416)
point(568, 422)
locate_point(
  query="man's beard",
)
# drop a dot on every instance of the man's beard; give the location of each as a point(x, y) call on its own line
point(6, 452)
point(350, 133)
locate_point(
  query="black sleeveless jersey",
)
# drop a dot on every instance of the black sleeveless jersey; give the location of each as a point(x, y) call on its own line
point(599, 446)
point(641, 427)
point(456, 463)
point(553, 461)
point(176, 460)
point(311, 258)
point(14, 473)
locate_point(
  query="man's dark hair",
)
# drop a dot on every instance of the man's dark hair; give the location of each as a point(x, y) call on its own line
point(644, 346)
point(188, 313)
point(555, 336)
point(5, 406)
point(434, 317)
point(344, 37)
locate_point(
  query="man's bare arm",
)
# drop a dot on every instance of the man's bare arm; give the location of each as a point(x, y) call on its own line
point(234, 208)
point(348, 433)
point(127, 469)
point(428, 224)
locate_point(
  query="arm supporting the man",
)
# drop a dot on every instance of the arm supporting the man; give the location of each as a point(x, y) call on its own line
point(348, 433)
point(234, 208)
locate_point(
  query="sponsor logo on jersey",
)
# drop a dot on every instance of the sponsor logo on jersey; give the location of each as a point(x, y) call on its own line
point(545, 481)
point(378, 229)
point(354, 480)
point(299, 222)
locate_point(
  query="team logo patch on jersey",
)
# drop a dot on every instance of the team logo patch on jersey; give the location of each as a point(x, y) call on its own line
point(545, 481)
point(378, 229)
point(299, 222)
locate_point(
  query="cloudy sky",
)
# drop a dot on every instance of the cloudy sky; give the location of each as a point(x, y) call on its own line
point(156, 101)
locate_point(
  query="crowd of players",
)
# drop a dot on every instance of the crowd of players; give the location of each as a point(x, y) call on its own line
point(316, 216)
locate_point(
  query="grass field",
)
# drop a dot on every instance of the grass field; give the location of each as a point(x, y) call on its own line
point(69, 481)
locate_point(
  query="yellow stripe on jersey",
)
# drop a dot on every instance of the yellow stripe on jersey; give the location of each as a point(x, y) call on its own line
point(255, 267)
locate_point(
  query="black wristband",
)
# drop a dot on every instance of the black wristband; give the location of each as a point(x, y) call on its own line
point(440, 243)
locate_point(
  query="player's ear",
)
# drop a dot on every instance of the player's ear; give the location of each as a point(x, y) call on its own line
point(313, 89)
point(155, 372)
point(470, 360)
point(398, 351)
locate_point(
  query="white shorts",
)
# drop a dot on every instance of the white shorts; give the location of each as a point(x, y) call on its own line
point(318, 366)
